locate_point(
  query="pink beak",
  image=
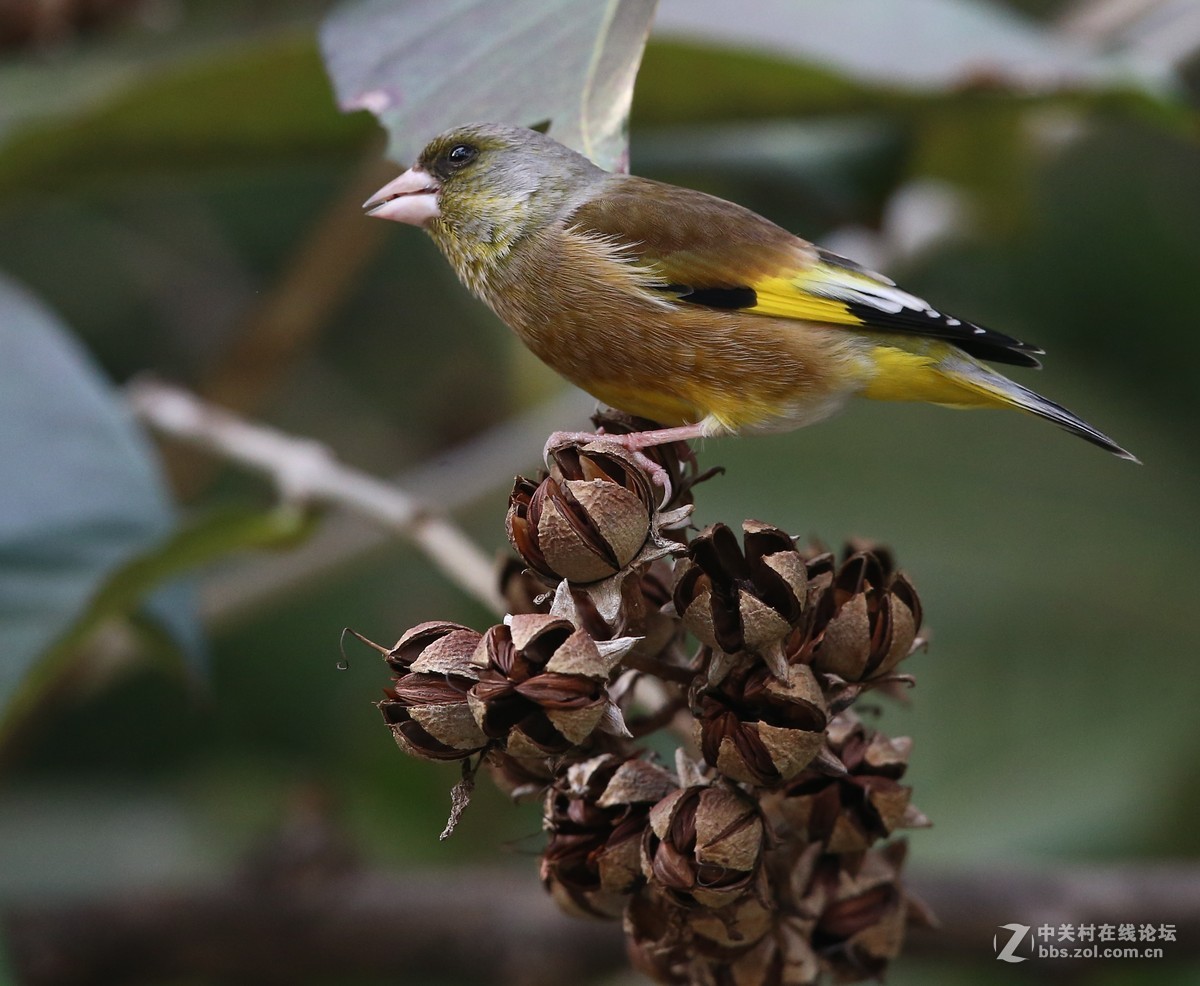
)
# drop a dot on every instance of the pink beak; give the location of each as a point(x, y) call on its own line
point(411, 198)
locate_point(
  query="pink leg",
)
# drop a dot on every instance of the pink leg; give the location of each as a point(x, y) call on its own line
point(634, 441)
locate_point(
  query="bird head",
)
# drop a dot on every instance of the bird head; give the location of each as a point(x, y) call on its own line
point(479, 188)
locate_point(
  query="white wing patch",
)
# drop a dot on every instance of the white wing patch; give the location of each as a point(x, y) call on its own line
point(857, 285)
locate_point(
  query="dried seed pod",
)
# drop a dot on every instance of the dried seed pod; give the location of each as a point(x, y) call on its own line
point(427, 707)
point(782, 957)
point(595, 815)
point(444, 641)
point(587, 519)
point(629, 604)
point(541, 686)
point(704, 845)
point(658, 937)
point(742, 601)
point(758, 729)
point(858, 915)
point(865, 621)
point(849, 812)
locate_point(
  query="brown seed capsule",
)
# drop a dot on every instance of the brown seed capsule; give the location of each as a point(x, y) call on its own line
point(850, 812)
point(427, 707)
point(759, 730)
point(595, 815)
point(704, 845)
point(742, 601)
point(587, 519)
point(782, 957)
point(858, 915)
point(541, 686)
point(865, 621)
point(658, 937)
point(691, 945)
point(441, 639)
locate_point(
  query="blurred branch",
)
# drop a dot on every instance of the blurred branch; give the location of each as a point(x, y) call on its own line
point(1164, 30)
point(307, 472)
point(312, 915)
point(453, 479)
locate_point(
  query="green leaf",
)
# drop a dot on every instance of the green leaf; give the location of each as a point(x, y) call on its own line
point(68, 80)
point(191, 115)
point(426, 65)
point(144, 585)
point(81, 494)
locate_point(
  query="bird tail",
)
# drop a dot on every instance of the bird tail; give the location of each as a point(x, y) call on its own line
point(996, 390)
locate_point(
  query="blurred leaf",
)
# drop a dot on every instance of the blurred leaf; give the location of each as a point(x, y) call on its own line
point(426, 65)
point(68, 79)
point(919, 44)
point(193, 115)
point(832, 161)
point(81, 494)
point(143, 584)
point(987, 138)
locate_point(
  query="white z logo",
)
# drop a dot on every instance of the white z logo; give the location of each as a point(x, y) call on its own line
point(1019, 931)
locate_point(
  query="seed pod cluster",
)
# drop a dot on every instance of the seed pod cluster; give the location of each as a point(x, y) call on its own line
point(761, 858)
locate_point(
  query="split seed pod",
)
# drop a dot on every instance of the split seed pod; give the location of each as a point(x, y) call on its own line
point(861, 913)
point(704, 845)
point(866, 620)
point(541, 686)
point(595, 815)
point(427, 707)
point(587, 519)
point(754, 728)
point(849, 812)
point(739, 601)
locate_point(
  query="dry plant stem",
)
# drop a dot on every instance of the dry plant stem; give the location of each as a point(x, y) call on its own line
point(307, 472)
point(453, 479)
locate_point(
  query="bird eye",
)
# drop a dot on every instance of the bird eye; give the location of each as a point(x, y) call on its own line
point(460, 154)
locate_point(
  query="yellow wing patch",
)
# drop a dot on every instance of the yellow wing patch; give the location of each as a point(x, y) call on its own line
point(787, 297)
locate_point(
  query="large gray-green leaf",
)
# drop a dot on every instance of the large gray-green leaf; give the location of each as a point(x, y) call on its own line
point(425, 65)
point(917, 44)
point(79, 491)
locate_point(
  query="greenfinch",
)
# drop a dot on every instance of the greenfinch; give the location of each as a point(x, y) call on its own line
point(684, 308)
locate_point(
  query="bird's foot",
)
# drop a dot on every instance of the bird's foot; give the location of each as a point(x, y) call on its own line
point(633, 442)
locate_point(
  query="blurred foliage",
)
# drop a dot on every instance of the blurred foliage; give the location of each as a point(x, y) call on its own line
point(154, 195)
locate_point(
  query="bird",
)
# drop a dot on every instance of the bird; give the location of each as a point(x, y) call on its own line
point(686, 309)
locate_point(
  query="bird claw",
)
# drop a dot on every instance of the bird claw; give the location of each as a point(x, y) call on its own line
point(626, 443)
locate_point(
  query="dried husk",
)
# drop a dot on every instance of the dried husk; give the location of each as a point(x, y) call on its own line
point(851, 811)
point(759, 730)
point(427, 708)
point(704, 845)
point(430, 716)
point(865, 622)
point(585, 521)
point(736, 599)
point(595, 815)
point(541, 687)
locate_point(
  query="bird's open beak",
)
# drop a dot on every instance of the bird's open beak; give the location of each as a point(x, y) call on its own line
point(411, 198)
